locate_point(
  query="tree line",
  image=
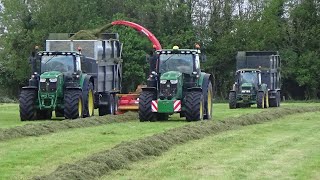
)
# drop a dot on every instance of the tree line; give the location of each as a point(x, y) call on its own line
point(222, 27)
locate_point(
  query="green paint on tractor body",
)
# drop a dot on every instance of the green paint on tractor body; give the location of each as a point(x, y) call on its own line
point(165, 106)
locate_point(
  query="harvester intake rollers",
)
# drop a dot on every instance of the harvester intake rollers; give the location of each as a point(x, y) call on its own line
point(260, 100)
point(73, 104)
point(232, 100)
point(194, 106)
point(145, 112)
point(27, 104)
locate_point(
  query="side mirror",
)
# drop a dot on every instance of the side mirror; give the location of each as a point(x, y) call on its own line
point(203, 58)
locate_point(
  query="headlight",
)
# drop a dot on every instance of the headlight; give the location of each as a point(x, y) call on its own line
point(42, 80)
point(174, 81)
point(163, 81)
point(53, 80)
point(245, 91)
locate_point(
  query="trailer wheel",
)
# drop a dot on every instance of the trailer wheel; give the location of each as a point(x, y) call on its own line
point(260, 100)
point(208, 105)
point(145, 112)
point(278, 98)
point(233, 100)
point(194, 106)
point(73, 104)
point(103, 110)
point(27, 102)
point(111, 105)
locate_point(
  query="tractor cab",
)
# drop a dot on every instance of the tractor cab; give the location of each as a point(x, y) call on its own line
point(248, 80)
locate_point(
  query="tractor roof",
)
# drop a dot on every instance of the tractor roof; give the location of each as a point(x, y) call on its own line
point(248, 69)
point(178, 51)
point(41, 53)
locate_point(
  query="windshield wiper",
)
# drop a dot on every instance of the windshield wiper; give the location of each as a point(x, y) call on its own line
point(50, 59)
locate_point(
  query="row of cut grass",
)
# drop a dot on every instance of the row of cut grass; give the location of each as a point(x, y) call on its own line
point(123, 154)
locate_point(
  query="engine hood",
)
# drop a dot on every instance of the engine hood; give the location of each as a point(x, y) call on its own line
point(51, 74)
point(171, 75)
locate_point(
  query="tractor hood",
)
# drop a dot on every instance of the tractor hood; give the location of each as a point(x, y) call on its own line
point(171, 75)
point(247, 85)
point(50, 75)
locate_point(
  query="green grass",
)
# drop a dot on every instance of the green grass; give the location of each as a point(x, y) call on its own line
point(25, 157)
point(285, 149)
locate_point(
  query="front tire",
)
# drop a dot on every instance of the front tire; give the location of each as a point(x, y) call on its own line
point(208, 105)
point(194, 106)
point(260, 100)
point(233, 100)
point(27, 103)
point(73, 104)
point(145, 112)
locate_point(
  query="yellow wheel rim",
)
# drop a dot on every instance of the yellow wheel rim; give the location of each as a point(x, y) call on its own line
point(262, 102)
point(209, 103)
point(80, 107)
point(90, 103)
point(201, 110)
point(267, 100)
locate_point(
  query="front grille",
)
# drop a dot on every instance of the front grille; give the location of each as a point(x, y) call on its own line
point(168, 90)
point(47, 102)
point(48, 86)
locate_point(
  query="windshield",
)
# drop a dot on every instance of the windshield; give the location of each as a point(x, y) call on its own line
point(176, 62)
point(249, 77)
point(59, 63)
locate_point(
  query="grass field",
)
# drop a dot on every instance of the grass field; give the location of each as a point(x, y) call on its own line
point(26, 157)
point(285, 149)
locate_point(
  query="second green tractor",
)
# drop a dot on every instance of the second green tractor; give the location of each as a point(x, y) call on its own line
point(177, 85)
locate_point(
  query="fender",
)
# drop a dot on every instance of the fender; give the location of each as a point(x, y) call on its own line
point(149, 89)
point(199, 89)
point(30, 87)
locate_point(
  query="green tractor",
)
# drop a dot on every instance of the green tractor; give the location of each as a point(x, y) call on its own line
point(257, 80)
point(71, 82)
point(177, 86)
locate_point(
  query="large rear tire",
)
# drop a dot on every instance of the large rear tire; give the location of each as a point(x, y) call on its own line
point(208, 105)
point(145, 112)
point(260, 100)
point(194, 106)
point(27, 105)
point(233, 100)
point(73, 104)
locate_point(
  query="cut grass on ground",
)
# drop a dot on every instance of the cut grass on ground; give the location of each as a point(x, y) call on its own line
point(284, 149)
point(25, 157)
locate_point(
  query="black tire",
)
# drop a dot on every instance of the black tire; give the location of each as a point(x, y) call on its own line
point(103, 110)
point(145, 112)
point(44, 114)
point(266, 100)
point(208, 105)
point(194, 106)
point(278, 98)
point(233, 100)
point(89, 101)
point(27, 101)
point(162, 117)
point(260, 100)
point(73, 104)
point(111, 105)
point(276, 101)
